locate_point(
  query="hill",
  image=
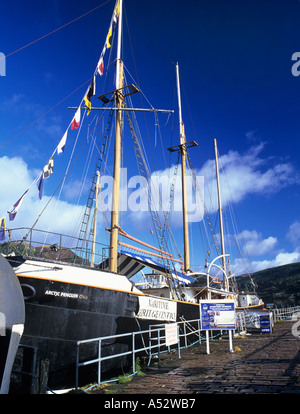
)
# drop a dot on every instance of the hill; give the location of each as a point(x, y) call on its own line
point(279, 285)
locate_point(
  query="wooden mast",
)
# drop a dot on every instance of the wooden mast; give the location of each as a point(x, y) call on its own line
point(183, 180)
point(117, 153)
point(221, 215)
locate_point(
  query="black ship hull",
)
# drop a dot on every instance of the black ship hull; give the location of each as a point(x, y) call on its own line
point(56, 322)
point(60, 313)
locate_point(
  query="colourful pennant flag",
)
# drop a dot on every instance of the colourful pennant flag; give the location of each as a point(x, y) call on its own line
point(108, 39)
point(61, 146)
point(116, 13)
point(2, 228)
point(49, 168)
point(107, 44)
point(47, 171)
point(90, 92)
point(100, 66)
point(40, 185)
point(12, 214)
point(76, 120)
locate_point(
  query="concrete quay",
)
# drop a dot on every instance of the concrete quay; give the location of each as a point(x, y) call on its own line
point(261, 364)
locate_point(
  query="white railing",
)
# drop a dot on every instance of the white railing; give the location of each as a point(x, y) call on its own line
point(156, 338)
point(285, 313)
point(151, 341)
point(240, 322)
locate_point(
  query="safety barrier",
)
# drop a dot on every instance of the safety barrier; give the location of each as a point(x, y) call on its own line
point(156, 343)
point(285, 313)
point(240, 323)
point(127, 337)
point(152, 342)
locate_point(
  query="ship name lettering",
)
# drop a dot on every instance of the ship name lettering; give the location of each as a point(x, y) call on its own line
point(69, 295)
point(158, 304)
point(62, 294)
point(156, 314)
point(52, 292)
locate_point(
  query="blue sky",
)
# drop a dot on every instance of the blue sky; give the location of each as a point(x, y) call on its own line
point(237, 85)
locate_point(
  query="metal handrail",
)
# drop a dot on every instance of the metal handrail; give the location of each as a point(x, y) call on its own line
point(285, 313)
point(101, 358)
point(157, 342)
point(61, 243)
point(157, 339)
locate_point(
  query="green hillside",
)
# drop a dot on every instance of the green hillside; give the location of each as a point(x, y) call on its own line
point(279, 285)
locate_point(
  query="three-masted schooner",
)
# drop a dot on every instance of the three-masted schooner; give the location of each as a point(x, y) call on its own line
point(68, 299)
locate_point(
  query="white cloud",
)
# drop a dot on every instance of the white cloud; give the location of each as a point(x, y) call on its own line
point(251, 245)
point(74, 189)
point(254, 244)
point(16, 178)
point(280, 259)
point(134, 198)
point(244, 174)
point(293, 234)
point(240, 267)
point(247, 174)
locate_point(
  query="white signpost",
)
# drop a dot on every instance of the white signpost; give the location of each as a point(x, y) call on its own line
point(157, 309)
point(171, 330)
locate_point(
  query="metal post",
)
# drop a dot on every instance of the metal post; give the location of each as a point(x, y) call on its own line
point(207, 342)
point(179, 356)
point(99, 360)
point(158, 341)
point(133, 352)
point(230, 341)
point(77, 367)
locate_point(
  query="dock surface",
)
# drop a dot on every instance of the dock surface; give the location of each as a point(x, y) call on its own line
point(261, 364)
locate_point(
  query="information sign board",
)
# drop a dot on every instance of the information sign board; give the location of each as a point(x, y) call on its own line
point(171, 334)
point(217, 314)
point(157, 308)
point(265, 324)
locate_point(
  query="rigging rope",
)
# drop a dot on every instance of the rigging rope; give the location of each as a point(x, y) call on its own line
point(35, 41)
point(55, 30)
point(209, 222)
point(143, 152)
point(99, 167)
point(44, 114)
point(234, 231)
point(141, 161)
point(63, 181)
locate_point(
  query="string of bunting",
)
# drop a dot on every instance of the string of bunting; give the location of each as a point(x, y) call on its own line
point(74, 124)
